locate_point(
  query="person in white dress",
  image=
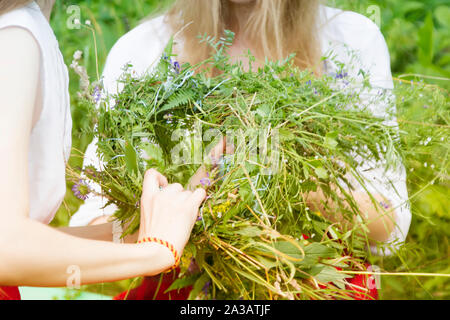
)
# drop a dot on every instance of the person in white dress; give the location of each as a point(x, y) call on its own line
point(350, 38)
point(35, 140)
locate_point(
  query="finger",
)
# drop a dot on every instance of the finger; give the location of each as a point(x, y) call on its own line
point(219, 149)
point(174, 187)
point(153, 180)
point(197, 197)
point(181, 195)
point(229, 147)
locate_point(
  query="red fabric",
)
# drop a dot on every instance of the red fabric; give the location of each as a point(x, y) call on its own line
point(362, 286)
point(9, 293)
point(146, 291)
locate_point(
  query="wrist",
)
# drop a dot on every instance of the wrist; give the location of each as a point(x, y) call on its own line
point(158, 256)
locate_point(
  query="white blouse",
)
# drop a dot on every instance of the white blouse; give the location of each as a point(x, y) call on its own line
point(341, 33)
point(50, 139)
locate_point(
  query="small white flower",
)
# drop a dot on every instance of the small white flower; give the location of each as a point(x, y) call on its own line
point(76, 21)
point(411, 170)
point(425, 164)
point(77, 55)
point(88, 22)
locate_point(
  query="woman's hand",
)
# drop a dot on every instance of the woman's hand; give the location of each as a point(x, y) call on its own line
point(169, 213)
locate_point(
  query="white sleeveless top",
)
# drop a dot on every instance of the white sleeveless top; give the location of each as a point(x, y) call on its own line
point(50, 140)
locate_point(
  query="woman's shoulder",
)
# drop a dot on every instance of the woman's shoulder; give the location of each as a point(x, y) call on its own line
point(138, 49)
point(151, 29)
point(348, 25)
point(356, 41)
point(22, 17)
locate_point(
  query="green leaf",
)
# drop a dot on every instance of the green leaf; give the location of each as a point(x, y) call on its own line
point(442, 14)
point(316, 250)
point(250, 232)
point(183, 282)
point(328, 274)
point(198, 285)
point(321, 172)
point(131, 158)
point(426, 41)
point(286, 135)
point(330, 143)
point(263, 110)
point(269, 264)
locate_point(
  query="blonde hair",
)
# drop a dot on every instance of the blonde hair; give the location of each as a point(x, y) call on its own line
point(275, 28)
point(9, 5)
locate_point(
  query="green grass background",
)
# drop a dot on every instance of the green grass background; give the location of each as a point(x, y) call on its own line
point(418, 37)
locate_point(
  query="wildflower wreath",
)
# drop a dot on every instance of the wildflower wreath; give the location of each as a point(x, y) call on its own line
point(293, 132)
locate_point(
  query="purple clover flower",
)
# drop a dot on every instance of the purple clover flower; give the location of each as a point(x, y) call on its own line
point(177, 66)
point(205, 288)
point(206, 182)
point(384, 205)
point(81, 190)
point(96, 94)
point(193, 267)
point(341, 75)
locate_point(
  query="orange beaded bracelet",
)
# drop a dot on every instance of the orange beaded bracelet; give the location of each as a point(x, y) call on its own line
point(168, 245)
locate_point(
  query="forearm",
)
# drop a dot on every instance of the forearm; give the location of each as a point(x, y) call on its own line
point(41, 256)
point(379, 222)
point(102, 232)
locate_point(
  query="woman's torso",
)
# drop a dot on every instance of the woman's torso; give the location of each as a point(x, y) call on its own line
point(50, 138)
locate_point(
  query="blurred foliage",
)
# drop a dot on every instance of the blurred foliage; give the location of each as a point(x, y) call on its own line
point(417, 33)
point(418, 37)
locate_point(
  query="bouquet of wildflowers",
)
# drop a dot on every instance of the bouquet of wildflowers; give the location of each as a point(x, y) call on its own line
point(292, 132)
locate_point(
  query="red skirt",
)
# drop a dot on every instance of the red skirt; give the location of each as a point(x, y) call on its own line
point(360, 287)
point(148, 290)
point(9, 293)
